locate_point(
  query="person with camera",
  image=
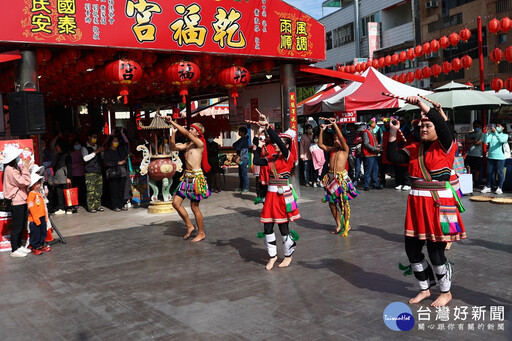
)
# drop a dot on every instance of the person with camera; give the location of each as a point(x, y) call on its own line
point(433, 205)
point(496, 139)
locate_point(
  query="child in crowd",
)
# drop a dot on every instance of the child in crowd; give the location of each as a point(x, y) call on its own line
point(37, 215)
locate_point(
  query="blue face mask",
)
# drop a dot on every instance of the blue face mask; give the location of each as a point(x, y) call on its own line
point(477, 130)
point(210, 140)
point(499, 129)
point(77, 146)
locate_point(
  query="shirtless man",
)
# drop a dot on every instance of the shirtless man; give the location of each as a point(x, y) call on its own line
point(193, 183)
point(337, 183)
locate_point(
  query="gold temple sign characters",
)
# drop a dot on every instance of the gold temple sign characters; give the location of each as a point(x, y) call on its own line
point(285, 28)
point(226, 27)
point(187, 29)
point(66, 25)
point(66, 7)
point(143, 11)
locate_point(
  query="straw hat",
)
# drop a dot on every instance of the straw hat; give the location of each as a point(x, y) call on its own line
point(34, 177)
point(10, 153)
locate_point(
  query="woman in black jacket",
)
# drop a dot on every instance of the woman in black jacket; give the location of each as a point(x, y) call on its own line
point(114, 159)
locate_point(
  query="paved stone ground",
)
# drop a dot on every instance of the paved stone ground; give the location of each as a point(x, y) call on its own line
point(136, 279)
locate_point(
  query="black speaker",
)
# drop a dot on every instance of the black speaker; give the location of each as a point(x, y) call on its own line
point(26, 112)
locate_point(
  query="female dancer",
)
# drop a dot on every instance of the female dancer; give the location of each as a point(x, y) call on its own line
point(433, 204)
point(280, 202)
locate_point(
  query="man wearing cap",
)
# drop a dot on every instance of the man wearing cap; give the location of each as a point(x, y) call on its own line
point(16, 180)
point(193, 183)
point(370, 149)
point(91, 154)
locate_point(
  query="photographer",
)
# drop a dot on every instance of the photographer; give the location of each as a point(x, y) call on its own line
point(496, 138)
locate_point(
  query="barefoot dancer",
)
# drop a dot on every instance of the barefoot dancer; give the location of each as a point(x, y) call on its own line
point(433, 204)
point(193, 183)
point(280, 202)
point(337, 184)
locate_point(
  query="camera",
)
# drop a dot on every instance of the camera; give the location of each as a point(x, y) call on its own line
point(490, 126)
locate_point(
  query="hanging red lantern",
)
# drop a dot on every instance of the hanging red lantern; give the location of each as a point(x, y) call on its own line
point(148, 59)
point(418, 74)
point(435, 45)
point(454, 39)
point(182, 75)
point(505, 24)
point(444, 42)
point(43, 56)
point(418, 51)
point(494, 26)
point(402, 78)
point(358, 67)
point(124, 72)
point(426, 48)
point(73, 55)
point(388, 60)
point(234, 78)
point(375, 63)
point(497, 84)
point(341, 69)
point(508, 84)
point(456, 64)
point(410, 76)
point(496, 55)
point(465, 34)
point(382, 62)
point(395, 78)
point(352, 68)
point(427, 72)
point(447, 67)
point(403, 56)
point(364, 66)
point(466, 61)
point(395, 58)
point(410, 54)
point(508, 54)
point(436, 70)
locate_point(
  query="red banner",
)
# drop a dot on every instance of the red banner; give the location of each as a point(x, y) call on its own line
point(268, 28)
point(346, 116)
point(293, 111)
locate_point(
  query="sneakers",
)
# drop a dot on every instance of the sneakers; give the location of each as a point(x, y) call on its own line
point(101, 209)
point(245, 191)
point(24, 250)
point(314, 185)
point(321, 184)
point(238, 189)
point(18, 254)
point(399, 187)
point(379, 187)
point(36, 252)
point(499, 191)
point(45, 249)
point(406, 188)
point(60, 212)
point(93, 211)
point(486, 190)
point(69, 212)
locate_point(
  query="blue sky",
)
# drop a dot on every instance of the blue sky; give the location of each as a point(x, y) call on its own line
point(311, 7)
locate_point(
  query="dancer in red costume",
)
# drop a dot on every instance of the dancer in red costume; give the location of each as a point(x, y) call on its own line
point(433, 204)
point(281, 201)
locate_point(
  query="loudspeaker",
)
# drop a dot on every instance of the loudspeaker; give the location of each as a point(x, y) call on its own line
point(26, 112)
point(2, 116)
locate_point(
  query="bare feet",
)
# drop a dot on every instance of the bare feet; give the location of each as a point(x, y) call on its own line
point(337, 230)
point(198, 238)
point(448, 246)
point(190, 229)
point(270, 263)
point(420, 297)
point(286, 261)
point(442, 300)
point(345, 233)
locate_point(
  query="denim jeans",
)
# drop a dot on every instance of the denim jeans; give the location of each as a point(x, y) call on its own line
point(242, 173)
point(495, 167)
point(308, 166)
point(371, 170)
point(357, 168)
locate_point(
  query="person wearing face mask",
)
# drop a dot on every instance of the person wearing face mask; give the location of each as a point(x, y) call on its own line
point(115, 158)
point(91, 154)
point(474, 142)
point(496, 139)
point(78, 172)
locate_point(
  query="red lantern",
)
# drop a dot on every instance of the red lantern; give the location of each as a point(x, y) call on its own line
point(454, 39)
point(434, 45)
point(456, 64)
point(403, 56)
point(465, 34)
point(342, 69)
point(375, 63)
point(418, 51)
point(496, 84)
point(427, 72)
point(395, 78)
point(410, 76)
point(466, 61)
point(267, 65)
point(364, 66)
point(508, 84)
point(505, 24)
point(382, 62)
point(148, 58)
point(182, 75)
point(494, 26)
point(358, 67)
point(402, 78)
point(352, 68)
point(43, 56)
point(410, 54)
point(124, 72)
point(436, 70)
point(444, 42)
point(395, 59)
point(447, 67)
point(508, 54)
point(388, 60)
point(234, 78)
point(496, 55)
point(418, 74)
point(426, 48)
point(469, 84)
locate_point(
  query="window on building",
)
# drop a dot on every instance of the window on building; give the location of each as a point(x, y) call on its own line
point(364, 24)
point(328, 41)
point(343, 35)
point(447, 5)
point(503, 6)
point(502, 38)
point(452, 20)
point(505, 67)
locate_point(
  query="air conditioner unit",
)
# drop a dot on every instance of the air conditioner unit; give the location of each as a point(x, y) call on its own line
point(431, 4)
